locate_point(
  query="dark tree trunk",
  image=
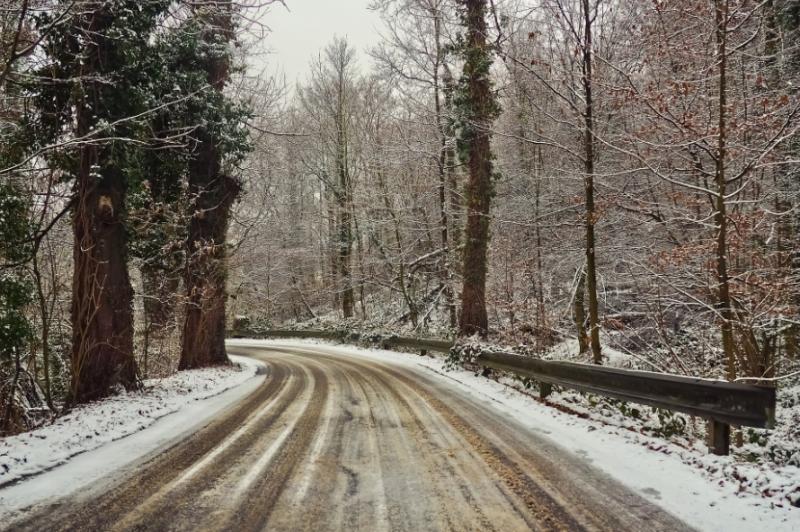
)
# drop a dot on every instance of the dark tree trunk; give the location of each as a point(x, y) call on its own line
point(474, 318)
point(45, 315)
point(344, 200)
point(102, 297)
point(591, 216)
point(332, 262)
point(203, 342)
point(454, 196)
point(344, 258)
point(579, 313)
point(725, 303)
point(541, 321)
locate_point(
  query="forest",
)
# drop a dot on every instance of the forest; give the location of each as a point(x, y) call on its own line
point(586, 177)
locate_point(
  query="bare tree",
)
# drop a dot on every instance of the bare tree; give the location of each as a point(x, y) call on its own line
point(415, 50)
point(329, 100)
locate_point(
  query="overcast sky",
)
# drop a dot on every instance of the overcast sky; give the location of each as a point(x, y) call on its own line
point(297, 32)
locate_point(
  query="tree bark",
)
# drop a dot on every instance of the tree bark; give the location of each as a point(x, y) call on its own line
point(591, 216)
point(541, 320)
point(44, 315)
point(474, 318)
point(102, 297)
point(442, 168)
point(203, 341)
point(454, 199)
point(343, 197)
point(579, 312)
point(720, 214)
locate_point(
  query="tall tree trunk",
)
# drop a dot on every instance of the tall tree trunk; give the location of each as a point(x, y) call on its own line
point(345, 260)
point(720, 214)
point(203, 340)
point(214, 193)
point(591, 217)
point(474, 318)
point(789, 251)
point(454, 196)
point(44, 315)
point(579, 312)
point(541, 316)
point(362, 273)
point(442, 168)
point(332, 252)
point(102, 297)
point(344, 199)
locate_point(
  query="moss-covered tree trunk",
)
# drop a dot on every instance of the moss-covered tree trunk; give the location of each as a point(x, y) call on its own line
point(203, 339)
point(213, 193)
point(481, 109)
point(102, 297)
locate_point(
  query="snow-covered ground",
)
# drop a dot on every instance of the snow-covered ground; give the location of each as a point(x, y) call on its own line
point(709, 492)
point(118, 431)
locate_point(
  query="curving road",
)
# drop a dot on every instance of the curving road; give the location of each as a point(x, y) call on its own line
point(335, 442)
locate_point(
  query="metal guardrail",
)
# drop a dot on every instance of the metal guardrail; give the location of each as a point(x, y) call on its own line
point(722, 403)
point(422, 344)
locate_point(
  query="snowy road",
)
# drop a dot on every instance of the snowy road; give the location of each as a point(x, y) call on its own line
point(343, 442)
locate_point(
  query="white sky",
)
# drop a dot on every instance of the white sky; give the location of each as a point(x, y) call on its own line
point(297, 32)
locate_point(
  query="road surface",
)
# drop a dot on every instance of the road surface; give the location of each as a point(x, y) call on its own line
point(335, 442)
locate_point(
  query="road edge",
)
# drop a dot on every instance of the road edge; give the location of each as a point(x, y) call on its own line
point(92, 470)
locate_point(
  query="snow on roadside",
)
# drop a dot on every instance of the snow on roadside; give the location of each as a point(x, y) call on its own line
point(93, 425)
point(687, 482)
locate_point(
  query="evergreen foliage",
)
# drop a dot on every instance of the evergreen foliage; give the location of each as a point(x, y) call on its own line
point(159, 194)
point(122, 96)
point(15, 284)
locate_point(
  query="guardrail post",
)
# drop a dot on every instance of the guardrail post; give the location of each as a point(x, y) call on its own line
point(423, 352)
point(719, 437)
point(545, 389)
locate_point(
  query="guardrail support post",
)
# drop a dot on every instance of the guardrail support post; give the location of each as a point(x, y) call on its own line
point(423, 352)
point(719, 436)
point(545, 389)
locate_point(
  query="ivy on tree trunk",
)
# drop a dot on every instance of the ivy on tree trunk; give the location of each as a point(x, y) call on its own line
point(102, 296)
point(213, 193)
point(478, 107)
